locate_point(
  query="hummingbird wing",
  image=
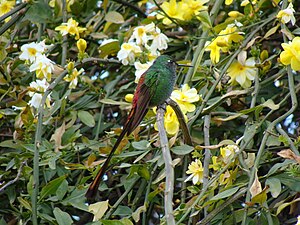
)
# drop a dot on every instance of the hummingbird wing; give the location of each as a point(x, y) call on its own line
point(140, 105)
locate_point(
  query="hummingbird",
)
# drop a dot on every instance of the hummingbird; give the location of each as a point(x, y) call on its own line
point(153, 89)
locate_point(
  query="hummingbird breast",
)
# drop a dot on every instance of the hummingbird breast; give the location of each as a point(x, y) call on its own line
point(163, 86)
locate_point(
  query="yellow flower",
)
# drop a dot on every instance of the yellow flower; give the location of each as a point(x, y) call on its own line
point(129, 97)
point(235, 14)
point(196, 171)
point(228, 177)
point(192, 7)
point(81, 45)
point(228, 2)
point(170, 121)
point(185, 97)
point(71, 27)
point(173, 10)
point(242, 71)
point(216, 164)
point(73, 76)
point(223, 42)
point(291, 54)
point(287, 15)
point(6, 6)
point(214, 51)
point(246, 2)
point(228, 152)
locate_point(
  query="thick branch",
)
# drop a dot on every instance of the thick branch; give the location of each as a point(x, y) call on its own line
point(169, 188)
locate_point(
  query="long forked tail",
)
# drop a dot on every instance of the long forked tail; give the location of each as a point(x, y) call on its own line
point(91, 192)
point(135, 116)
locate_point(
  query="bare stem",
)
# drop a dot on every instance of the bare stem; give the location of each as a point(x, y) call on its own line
point(169, 188)
point(15, 179)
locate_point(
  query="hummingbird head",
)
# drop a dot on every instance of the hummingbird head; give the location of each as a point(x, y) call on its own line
point(165, 61)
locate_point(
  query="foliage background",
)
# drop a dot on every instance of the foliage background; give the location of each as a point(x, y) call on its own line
point(74, 134)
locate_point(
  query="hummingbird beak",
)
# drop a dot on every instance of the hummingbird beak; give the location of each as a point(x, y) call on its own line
point(184, 65)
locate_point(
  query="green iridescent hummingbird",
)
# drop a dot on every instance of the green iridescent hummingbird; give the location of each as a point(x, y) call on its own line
point(153, 89)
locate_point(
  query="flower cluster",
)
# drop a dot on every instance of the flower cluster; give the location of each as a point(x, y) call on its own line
point(185, 97)
point(243, 70)
point(71, 27)
point(34, 55)
point(218, 162)
point(291, 54)
point(224, 41)
point(144, 45)
point(183, 10)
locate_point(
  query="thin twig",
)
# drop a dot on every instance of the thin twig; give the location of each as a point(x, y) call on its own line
point(169, 186)
point(291, 143)
point(15, 179)
point(65, 38)
point(207, 153)
point(134, 7)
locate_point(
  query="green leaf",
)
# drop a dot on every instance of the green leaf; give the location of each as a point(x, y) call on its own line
point(282, 206)
point(98, 209)
point(110, 48)
point(61, 217)
point(270, 104)
point(290, 181)
point(182, 150)
point(86, 118)
point(111, 222)
point(204, 17)
point(39, 12)
point(225, 194)
point(141, 145)
point(113, 102)
point(62, 190)
point(137, 213)
point(51, 187)
point(122, 211)
point(274, 186)
point(114, 17)
point(25, 203)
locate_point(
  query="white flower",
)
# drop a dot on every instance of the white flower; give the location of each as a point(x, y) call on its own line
point(140, 69)
point(160, 42)
point(32, 50)
point(128, 52)
point(142, 34)
point(298, 220)
point(43, 67)
point(287, 15)
point(37, 88)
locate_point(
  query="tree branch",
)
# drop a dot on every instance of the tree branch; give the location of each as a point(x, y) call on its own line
point(16, 178)
point(169, 188)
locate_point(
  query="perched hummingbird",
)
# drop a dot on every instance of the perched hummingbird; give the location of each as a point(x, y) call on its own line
point(153, 89)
